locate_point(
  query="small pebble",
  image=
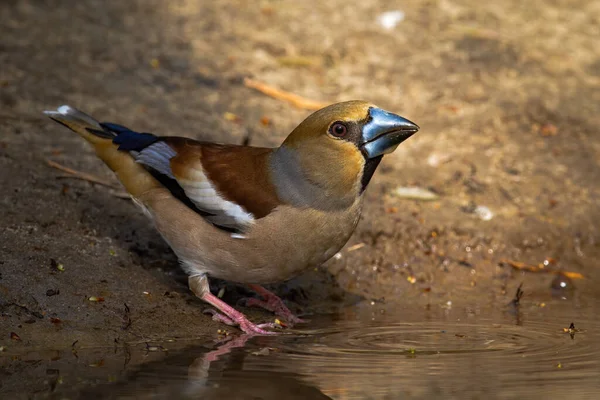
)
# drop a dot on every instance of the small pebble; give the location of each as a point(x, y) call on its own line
point(265, 351)
point(484, 213)
point(561, 286)
point(390, 19)
point(435, 160)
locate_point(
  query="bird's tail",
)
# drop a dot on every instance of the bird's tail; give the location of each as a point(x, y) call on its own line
point(132, 175)
point(79, 122)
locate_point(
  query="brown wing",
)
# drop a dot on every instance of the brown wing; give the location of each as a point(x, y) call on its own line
point(230, 183)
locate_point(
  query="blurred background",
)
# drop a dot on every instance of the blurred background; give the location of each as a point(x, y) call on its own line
point(498, 189)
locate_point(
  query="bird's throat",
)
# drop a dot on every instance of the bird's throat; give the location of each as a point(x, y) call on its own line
point(369, 169)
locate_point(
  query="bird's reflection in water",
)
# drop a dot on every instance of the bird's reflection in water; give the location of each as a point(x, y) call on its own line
point(196, 373)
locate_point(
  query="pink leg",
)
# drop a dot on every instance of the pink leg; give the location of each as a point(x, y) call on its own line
point(198, 370)
point(199, 285)
point(273, 303)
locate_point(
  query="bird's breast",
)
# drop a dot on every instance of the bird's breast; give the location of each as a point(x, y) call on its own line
point(276, 248)
point(294, 240)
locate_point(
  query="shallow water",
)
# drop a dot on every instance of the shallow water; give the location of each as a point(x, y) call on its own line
point(370, 351)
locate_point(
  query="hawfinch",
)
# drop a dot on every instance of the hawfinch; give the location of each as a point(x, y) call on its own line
point(251, 215)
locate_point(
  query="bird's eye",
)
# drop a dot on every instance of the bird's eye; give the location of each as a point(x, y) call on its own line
point(338, 129)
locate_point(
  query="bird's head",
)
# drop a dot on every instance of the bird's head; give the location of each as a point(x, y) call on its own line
point(333, 153)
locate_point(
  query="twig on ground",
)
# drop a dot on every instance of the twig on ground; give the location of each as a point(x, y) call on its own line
point(88, 178)
point(540, 268)
point(80, 175)
point(294, 99)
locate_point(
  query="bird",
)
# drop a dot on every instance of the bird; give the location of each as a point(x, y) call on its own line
point(251, 215)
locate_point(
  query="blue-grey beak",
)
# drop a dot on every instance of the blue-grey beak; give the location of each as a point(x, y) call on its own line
point(384, 132)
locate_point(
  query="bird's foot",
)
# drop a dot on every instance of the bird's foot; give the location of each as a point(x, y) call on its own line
point(218, 317)
point(238, 319)
point(227, 315)
point(272, 303)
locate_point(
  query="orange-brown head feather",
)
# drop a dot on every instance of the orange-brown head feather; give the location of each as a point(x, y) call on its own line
point(331, 163)
point(328, 160)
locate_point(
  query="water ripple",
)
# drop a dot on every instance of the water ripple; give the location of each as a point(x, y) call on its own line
point(502, 358)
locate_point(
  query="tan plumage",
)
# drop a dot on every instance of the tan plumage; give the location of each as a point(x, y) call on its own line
point(246, 214)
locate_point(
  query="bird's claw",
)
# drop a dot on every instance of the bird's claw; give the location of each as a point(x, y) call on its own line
point(218, 317)
point(276, 306)
point(243, 323)
point(254, 329)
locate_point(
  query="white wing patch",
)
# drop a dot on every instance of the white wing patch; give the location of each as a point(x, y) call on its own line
point(226, 213)
point(197, 187)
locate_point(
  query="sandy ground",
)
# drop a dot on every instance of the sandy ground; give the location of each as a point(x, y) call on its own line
point(506, 96)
